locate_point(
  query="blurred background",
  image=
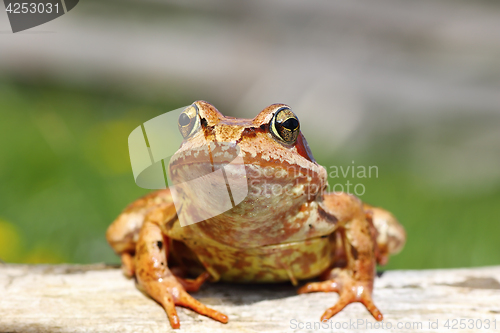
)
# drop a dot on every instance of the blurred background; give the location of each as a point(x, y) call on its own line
point(412, 88)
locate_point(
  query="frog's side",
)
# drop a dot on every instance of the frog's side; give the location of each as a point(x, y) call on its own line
point(293, 234)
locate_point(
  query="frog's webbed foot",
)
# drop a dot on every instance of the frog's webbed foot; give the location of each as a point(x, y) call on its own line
point(169, 292)
point(156, 279)
point(349, 290)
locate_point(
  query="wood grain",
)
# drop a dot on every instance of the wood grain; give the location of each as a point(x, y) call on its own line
point(98, 298)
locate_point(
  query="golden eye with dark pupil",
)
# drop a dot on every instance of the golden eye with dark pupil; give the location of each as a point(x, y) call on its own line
point(189, 121)
point(285, 126)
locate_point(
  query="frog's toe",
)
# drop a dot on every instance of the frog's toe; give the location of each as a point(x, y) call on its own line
point(351, 295)
point(170, 293)
point(193, 285)
point(188, 301)
point(330, 312)
point(350, 291)
point(168, 304)
point(367, 301)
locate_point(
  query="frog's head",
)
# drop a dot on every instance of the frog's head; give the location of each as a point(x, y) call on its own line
point(266, 168)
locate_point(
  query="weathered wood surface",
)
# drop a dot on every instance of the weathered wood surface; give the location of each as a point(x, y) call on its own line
point(98, 298)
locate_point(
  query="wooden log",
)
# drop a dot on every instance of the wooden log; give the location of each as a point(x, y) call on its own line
point(98, 298)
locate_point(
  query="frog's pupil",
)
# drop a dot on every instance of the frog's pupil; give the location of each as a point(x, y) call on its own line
point(184, 119)
point(291, 124)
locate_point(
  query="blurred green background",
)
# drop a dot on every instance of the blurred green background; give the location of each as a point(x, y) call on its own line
point(417, 97)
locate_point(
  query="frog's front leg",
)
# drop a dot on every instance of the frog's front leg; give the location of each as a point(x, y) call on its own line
point(354, 282)
point(156, 279)
point(123, 233)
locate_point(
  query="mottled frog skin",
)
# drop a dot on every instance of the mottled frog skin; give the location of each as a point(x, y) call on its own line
point(286, 229)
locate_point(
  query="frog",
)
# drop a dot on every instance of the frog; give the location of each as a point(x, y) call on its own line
point(331, 239)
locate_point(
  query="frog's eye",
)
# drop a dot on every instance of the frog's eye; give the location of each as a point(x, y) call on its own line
point(285, 126)
point(189, 122)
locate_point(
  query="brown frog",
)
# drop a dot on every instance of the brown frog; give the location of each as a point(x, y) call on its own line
point(286, 229)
